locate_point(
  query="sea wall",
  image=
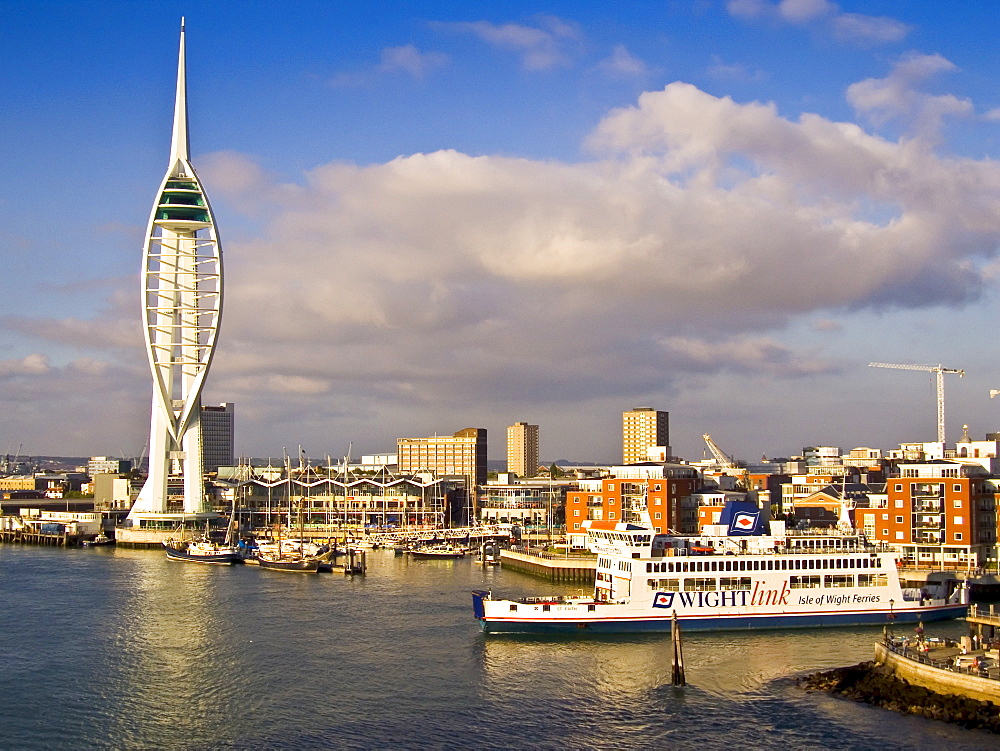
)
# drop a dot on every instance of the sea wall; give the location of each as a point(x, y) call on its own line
point(877, 685)
point(936, 679)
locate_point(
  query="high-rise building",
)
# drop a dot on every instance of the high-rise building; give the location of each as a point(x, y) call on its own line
point(463, 453)
point(642, 428)
point(182, 307)
point(522, 449)
point(218, 436)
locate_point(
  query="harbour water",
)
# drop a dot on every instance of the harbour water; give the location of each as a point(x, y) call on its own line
point(108, 648)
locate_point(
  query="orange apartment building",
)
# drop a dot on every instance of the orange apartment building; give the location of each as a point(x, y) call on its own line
point(609, 501)
point(939, 514)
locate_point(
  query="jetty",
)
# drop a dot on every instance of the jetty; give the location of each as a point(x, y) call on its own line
point(969, 667)
point(552, 566)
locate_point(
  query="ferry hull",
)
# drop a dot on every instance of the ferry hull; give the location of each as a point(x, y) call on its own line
point(715, 623)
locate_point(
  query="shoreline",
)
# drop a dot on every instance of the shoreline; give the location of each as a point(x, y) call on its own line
point(877, 686)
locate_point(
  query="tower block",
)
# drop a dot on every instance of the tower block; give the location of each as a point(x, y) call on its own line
point(182, 308)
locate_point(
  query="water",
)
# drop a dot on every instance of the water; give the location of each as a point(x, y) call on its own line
point(122, 649)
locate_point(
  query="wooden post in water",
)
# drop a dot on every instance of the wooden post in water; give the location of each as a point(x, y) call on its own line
point(675, 636)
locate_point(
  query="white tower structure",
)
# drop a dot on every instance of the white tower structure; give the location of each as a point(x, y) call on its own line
point(182, 307)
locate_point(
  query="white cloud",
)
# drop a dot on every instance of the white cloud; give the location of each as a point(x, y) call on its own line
point(822, 14)
point(549, 43)
point(622, 64)
point(405, 58)
point(896, 97)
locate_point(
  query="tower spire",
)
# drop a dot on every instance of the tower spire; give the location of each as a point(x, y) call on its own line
point(179, 141)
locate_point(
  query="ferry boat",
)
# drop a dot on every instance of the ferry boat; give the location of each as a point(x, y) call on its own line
point(744, 573)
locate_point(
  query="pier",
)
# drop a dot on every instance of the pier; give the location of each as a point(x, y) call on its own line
point(29, 536)
point(555, 567)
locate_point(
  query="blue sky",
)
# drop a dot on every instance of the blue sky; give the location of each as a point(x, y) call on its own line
point(441, 215)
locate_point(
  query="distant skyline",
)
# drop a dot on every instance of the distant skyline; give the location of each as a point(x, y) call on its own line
point(441, 215)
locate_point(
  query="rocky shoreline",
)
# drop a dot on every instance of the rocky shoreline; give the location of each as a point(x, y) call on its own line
point(870, 683)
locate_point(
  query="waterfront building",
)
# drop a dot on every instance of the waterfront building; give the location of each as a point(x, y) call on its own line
point(182, 295)
point(218, 436)
point(522, 449)
point(938, 514)
point(112, 492)
point(327, 496)
point(463, 454)
point(103, 465)
point(643, 428)
point(665, 488)
point(532, 504)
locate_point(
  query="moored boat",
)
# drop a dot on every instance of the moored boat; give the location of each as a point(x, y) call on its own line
point(743, 576)
point(438, 551)
point(201, 551)
point(98, 541)
point(288, 561)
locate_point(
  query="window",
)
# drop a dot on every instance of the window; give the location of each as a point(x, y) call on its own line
point(611, 515)
point(668, 585)
point(735, 582)
point(838, 580)
point(804, 582)
point(958, 535)
point(899, 535)
point(899, 488)
point(885, 532)
point(885, 517)
point(956, 503)
point(576, 512)
point(657, 515)
point(699, 584)
point(899, 520)
point(959, 519)
point(899, 503)
point(957, 488)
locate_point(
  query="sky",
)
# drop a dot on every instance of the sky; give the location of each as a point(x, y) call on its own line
point(440, 215)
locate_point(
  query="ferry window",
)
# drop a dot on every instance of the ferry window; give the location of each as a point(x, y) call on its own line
point(546, 608)
point(881, 580)
point(699, 584)
point(591, 608)
point(729, 583)
point(670, 585)
point(838, 580)
point(513, 608)
point(649, 568)
point(803, 582)
point(865, 580)
point(770, 565)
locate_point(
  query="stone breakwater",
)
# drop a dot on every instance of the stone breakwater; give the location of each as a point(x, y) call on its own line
point(870, 683)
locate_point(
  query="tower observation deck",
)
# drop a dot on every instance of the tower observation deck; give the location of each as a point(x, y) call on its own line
point(182, 308)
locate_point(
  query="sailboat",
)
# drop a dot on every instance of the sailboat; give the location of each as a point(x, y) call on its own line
point(290, 556)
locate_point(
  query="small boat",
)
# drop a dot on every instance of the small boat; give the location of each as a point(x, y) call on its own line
point(438, 551)
point(101, 539)
point(288, 561)
point(201, 551)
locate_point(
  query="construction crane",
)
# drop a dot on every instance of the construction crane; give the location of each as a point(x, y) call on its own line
point(939, 370)
point(721, 459)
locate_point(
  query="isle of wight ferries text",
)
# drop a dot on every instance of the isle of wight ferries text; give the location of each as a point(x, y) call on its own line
point(759, 595)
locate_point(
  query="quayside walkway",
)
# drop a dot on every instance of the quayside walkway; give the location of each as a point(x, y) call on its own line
point(943, 665)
